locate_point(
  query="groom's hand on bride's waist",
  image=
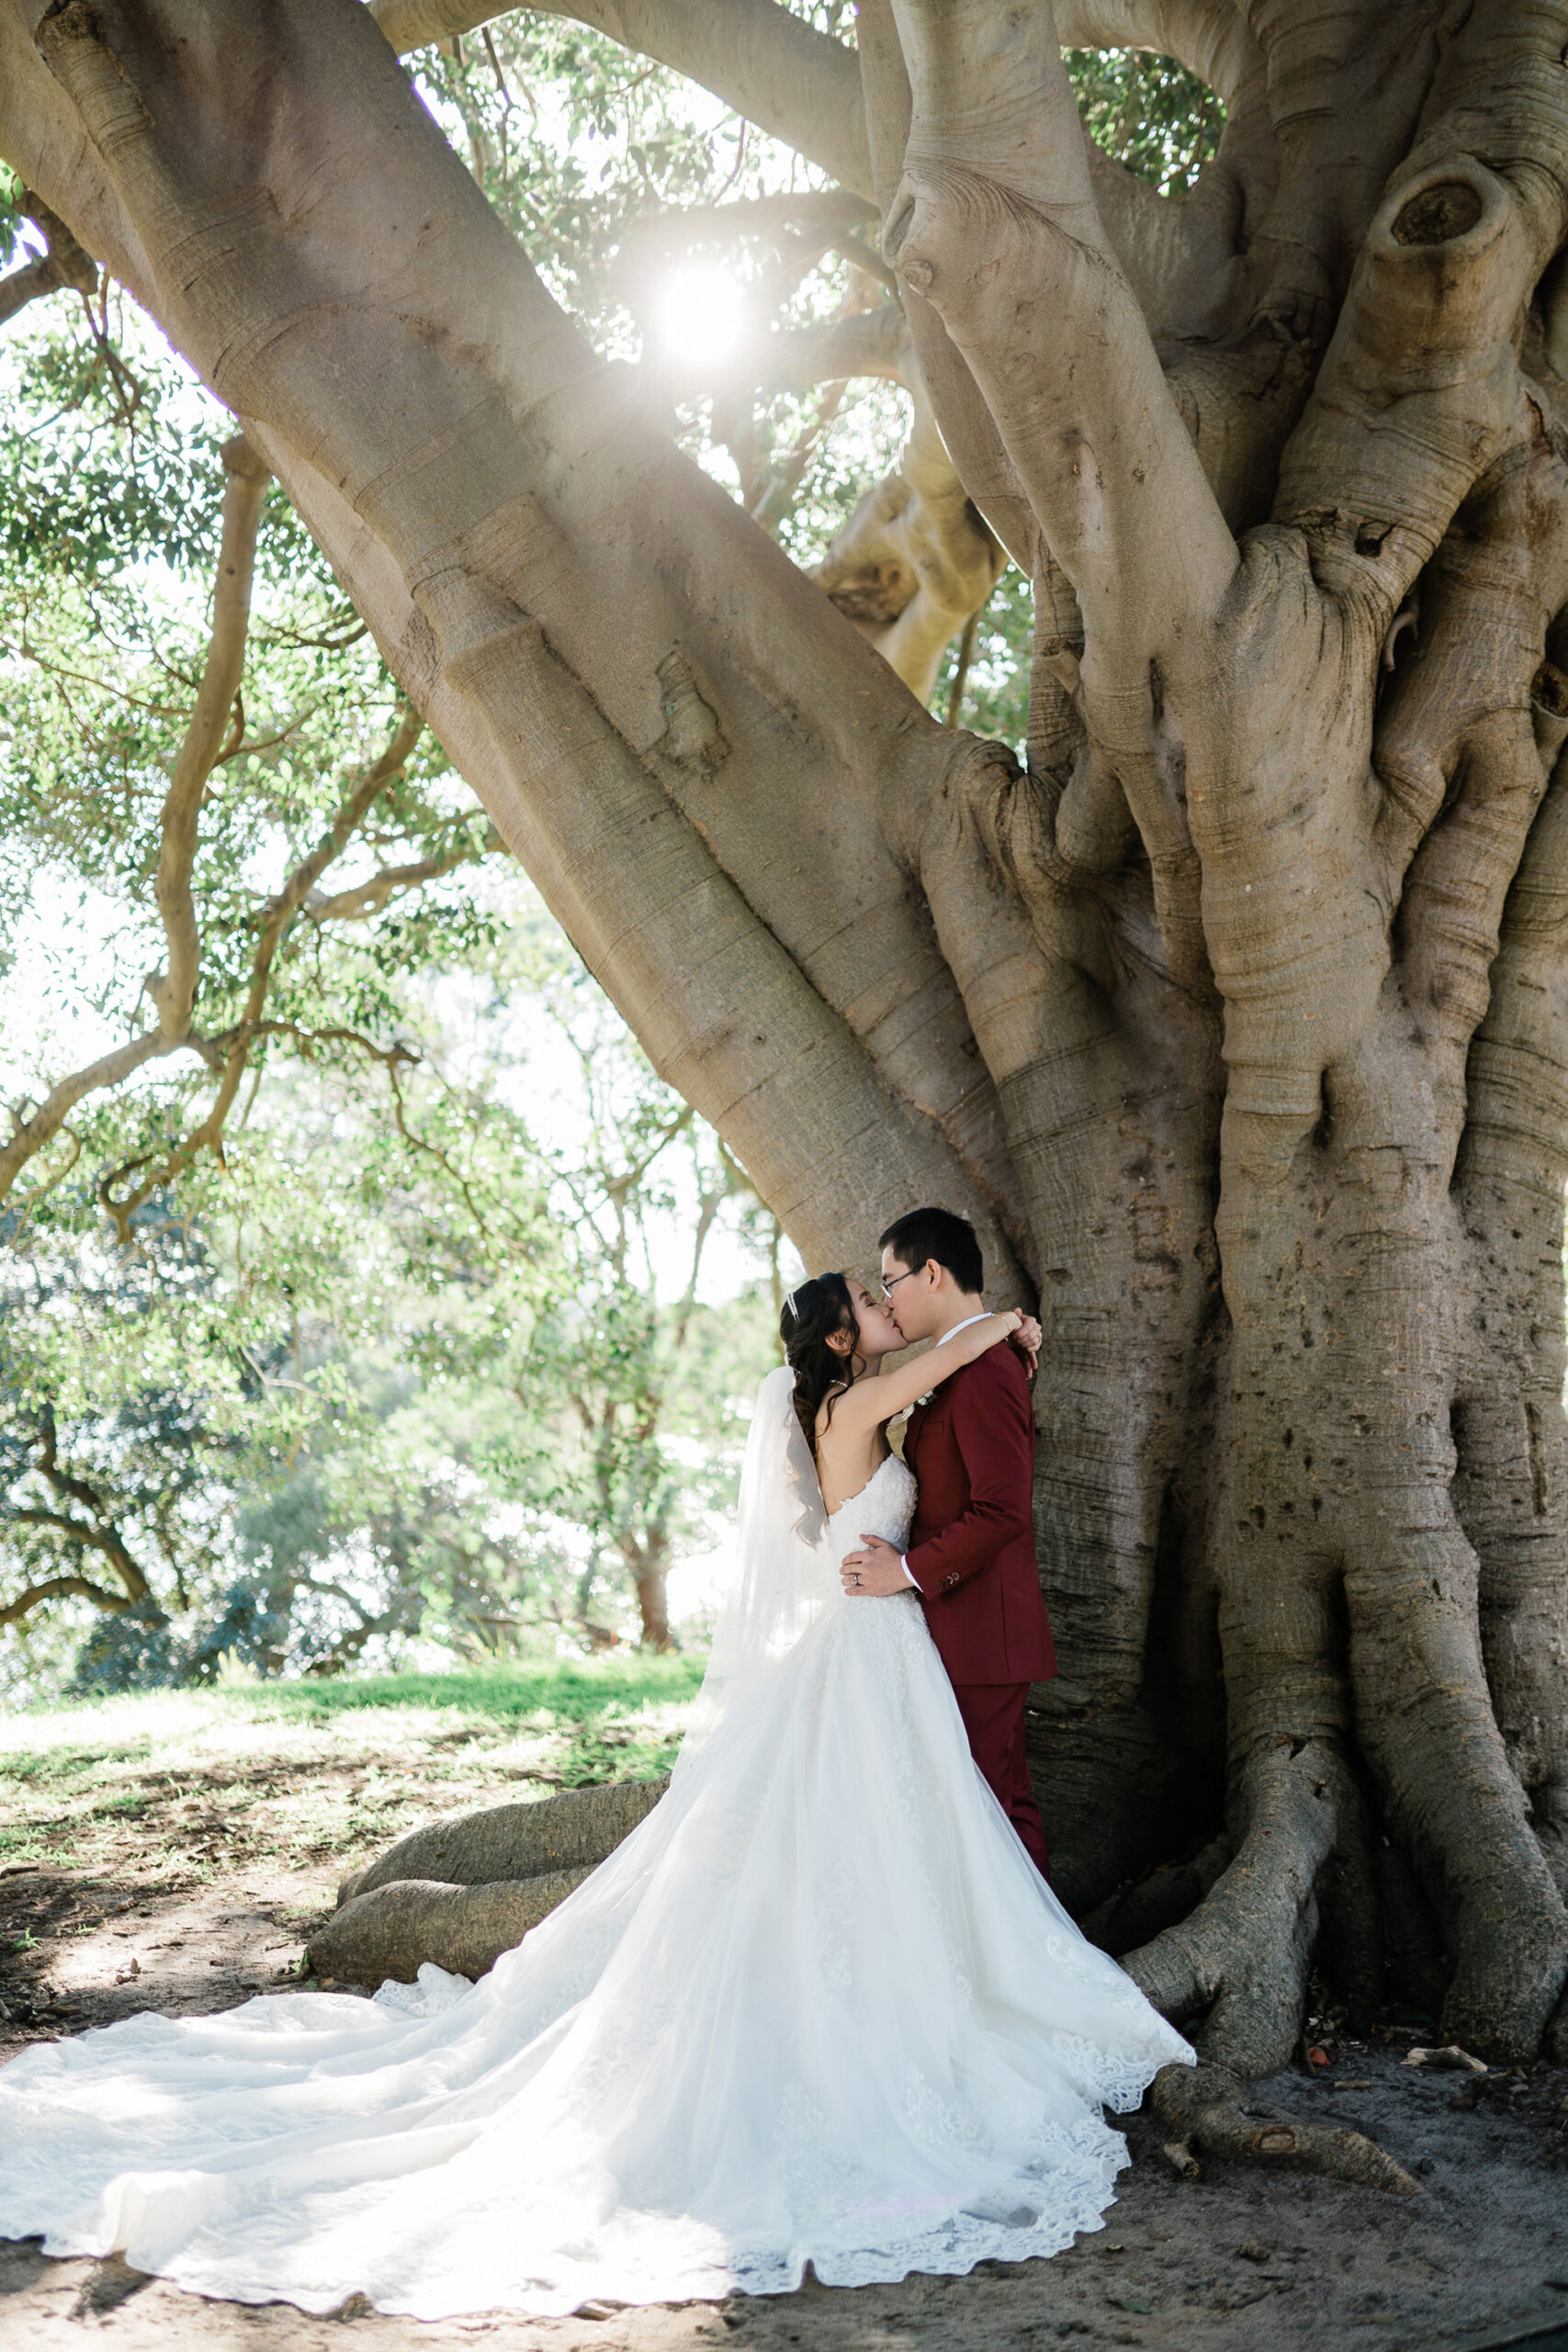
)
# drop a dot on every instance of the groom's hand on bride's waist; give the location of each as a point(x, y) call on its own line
point(875, 1571)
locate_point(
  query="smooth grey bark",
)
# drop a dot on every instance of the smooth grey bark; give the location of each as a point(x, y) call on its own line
point(782, 74)
point(1237, 1017)
point(395, 1929)
point(461, 1891)
point(510, 1842)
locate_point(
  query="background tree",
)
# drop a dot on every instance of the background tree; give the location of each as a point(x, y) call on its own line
point(352, 1391)
point(1234, 1015)
point(213, 1228)
point(625, 1367)
point(598, 1406)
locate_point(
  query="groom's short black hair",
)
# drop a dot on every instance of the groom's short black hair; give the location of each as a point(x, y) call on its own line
point(920, 1234)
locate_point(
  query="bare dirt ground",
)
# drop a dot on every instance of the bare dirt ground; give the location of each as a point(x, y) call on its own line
point(173, 1861)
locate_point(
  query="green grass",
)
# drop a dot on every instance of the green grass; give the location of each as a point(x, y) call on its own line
point(182, 1784)
point(574, 1691)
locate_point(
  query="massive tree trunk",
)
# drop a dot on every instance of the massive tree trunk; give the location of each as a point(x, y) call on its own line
point(1238, 1019)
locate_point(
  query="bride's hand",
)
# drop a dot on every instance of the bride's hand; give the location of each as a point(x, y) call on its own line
point(1028, 1339)
point(875, 1571)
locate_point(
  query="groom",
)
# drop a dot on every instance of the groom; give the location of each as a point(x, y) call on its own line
point(971, 1556)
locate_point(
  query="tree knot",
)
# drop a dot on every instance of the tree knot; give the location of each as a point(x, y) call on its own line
point(1436, 216)
point(693, 735)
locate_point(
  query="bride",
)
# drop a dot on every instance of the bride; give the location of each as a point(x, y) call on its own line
point(820, 2007)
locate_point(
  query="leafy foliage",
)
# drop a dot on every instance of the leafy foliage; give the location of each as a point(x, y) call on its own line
point(1147, 112)
point(12, 219)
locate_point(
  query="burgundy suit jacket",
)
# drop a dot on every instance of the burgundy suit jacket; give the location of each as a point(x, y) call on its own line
point(972, 1546)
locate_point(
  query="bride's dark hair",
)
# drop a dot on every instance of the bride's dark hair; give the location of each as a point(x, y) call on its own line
point(812, 1314)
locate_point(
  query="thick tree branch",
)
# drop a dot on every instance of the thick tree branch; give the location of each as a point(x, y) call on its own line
point(63, 1589)
point(29, 1136)
point(1180, 254)
point(555, 538)
point(1344, 89)
point(539, 532)
point(1419, 392)
point(1205, 2104)
point(994, 222)
point(598, 836)
point(803, 88)
point(99, 1535)
point(831, 214)
point(1210, 38)
point(173, 990)
point(1458, 746)
point(995, 205)
point(367, 898)
point(1243, 1955)
point(865, 343)
point(915, 561)
point(41, 139)
point(1511, 1489)
point(793, 82)
point(968, 429)
point(1184, 259)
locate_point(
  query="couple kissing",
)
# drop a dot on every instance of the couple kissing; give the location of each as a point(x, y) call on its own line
point(969, 1445)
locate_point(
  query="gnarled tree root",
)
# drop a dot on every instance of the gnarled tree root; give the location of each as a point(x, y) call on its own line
point(573, 1831)
point(395, 1929)
point(462, 1892)
point(1201, 2105)
point(1245, 1953)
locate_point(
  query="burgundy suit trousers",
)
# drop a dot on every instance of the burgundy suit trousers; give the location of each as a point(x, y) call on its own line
point(993, 1717)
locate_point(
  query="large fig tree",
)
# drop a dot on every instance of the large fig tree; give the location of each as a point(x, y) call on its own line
point(1237, 1017)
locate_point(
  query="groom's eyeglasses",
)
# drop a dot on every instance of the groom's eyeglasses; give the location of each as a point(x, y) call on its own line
point(888, 1288)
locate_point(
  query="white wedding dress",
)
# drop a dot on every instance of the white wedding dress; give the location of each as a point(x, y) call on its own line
point(818, 2008)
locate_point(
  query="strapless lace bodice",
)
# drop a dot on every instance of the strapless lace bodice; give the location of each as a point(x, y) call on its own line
point(885, 1505)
